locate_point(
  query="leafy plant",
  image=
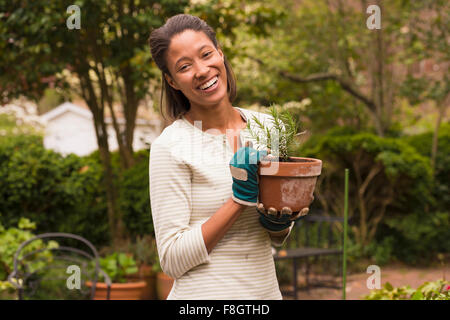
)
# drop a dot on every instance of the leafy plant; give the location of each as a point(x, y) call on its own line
point(280, 137)
point(143, 250)
point(436, 290)
point(117, 266)
point(10, 240)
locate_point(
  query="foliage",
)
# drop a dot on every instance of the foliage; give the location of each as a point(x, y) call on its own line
point(422, 143)
point(134, 196)
point(387, 178)
point(281, 138)
point(418, 236)
point(10, 240)
point(34, 180)
point(117, 266)
point(435, 290)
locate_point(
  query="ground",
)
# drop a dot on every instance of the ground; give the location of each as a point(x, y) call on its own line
point(396, 274)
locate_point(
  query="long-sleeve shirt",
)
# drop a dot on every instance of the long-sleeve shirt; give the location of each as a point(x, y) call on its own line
point(190, 180)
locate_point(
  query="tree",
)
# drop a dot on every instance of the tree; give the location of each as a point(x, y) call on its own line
point(326, 49)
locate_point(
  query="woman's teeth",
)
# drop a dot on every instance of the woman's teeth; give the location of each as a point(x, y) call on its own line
point(209, 83)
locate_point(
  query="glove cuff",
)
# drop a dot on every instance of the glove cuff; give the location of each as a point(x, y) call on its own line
point(243, 202)
point(271, 226)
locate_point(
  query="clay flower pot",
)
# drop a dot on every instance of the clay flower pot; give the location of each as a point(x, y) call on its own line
point(164, 284)
point(145, 274)
point(119, 291)
point(292, 185)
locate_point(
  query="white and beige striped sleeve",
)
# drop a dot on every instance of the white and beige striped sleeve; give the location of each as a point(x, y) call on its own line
point(180, 246)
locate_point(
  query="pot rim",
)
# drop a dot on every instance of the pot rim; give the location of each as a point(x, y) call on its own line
point(115, 285)
point(310, 167)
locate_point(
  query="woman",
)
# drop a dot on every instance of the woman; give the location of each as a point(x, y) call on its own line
point(206, 225)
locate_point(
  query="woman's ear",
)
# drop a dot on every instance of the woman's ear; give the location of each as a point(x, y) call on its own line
point(171, 82)
point(221, 53)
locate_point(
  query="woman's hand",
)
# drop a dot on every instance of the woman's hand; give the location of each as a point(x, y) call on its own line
point(275, 221)
point(244, 170)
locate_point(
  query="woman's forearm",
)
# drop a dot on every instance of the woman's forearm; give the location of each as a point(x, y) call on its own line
point(215, 228)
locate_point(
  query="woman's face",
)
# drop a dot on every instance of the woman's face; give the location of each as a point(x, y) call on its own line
point(197, 68)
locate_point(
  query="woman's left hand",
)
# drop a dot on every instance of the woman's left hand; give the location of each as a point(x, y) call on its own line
point(275, 221)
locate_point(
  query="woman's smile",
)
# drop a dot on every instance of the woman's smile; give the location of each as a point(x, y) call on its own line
point(210, 86)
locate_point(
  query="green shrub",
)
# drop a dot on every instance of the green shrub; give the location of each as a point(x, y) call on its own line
point(436, 290)
point(61, 194)
point(422, 143)
point(134, 197)
point(10, 240)
point(388, 178)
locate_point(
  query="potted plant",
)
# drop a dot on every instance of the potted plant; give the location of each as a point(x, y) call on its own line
point(284, 181)
point(117, 266)
point(164, 283)
point(146, 255)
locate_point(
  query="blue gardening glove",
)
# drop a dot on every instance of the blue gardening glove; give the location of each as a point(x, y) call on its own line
point(273, 221)
point(244, 170)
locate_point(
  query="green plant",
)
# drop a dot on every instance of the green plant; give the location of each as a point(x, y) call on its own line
point(10, 240)
point(280, 138)
point(117, 266)
point(435, 290)
point(144, 250)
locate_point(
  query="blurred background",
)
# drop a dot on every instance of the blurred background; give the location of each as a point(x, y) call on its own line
point(80, 100)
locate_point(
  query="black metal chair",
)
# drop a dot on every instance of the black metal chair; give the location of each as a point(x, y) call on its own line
point(46, 269)
point(305, 241)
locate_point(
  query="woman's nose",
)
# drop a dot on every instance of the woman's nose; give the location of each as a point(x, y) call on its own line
point(202, 70)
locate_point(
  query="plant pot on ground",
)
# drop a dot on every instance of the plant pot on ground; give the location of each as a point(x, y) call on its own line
point(145, 252)
point(164, 283)
point(284, 180)
point(118, 266)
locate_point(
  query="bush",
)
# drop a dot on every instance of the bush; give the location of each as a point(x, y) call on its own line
point(388, 178)
point(59, 194)
point(422, 143)
point(436, 290)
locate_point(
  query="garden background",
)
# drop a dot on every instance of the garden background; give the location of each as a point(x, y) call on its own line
point(371, 100)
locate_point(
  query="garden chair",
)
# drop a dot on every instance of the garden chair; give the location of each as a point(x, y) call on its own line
point(307, 242)
point(55, 266)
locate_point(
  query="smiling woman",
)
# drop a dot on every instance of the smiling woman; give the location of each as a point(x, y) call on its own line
point(208, 235)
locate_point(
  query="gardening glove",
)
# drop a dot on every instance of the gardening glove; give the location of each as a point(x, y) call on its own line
point(244, 170)
point(275, 221)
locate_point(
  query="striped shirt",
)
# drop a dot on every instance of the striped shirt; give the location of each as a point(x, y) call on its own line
point(189, 181)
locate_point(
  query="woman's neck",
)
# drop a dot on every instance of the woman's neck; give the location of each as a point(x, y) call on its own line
point(220, 118)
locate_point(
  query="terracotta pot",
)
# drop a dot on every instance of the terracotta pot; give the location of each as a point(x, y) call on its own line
point(291, 184)
point(146, 274)
point(119, 291)
point(164, 284)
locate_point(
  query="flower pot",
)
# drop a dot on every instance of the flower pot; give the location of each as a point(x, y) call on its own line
point(291, 185)
point(119, 291)
point(145, 274)
point(164, 284)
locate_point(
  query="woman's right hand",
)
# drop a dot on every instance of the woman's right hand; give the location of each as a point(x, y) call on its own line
point(244, 170)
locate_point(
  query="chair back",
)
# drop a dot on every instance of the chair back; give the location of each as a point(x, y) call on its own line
point(54, 266)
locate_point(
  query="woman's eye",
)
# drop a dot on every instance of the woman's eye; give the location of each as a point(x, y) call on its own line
point(207, 54)
point(183, 67)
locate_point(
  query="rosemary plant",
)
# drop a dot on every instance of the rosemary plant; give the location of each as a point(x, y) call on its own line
point(280, 138)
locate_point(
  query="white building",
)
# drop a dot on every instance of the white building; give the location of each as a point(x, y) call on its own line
point(70, 129)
